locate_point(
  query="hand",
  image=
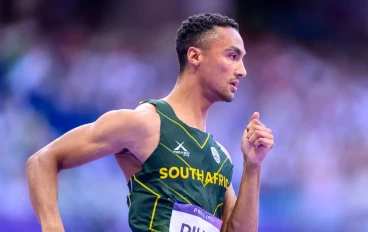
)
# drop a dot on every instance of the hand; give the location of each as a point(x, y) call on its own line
point(257, 140)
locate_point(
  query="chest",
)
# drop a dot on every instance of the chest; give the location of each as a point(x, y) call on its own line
point(179, 157)
point(205, 154)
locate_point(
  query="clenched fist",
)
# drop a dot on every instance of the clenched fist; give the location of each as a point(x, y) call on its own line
point(257, 140)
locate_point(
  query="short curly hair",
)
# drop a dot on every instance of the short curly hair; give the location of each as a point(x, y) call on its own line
point(195, 31)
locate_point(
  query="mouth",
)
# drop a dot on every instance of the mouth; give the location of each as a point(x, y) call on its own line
point(234, 83)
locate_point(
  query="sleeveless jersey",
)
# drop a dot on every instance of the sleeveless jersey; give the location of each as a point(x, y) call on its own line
point(187, 167)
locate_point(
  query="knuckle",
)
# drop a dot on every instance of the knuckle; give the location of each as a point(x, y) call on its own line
point(258, 133)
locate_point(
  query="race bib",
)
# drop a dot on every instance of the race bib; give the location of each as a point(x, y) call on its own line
point(191, 218)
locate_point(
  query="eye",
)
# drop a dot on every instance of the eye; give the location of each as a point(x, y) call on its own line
point(232, 57)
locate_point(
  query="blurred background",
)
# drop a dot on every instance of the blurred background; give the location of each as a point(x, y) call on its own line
point(65, 62)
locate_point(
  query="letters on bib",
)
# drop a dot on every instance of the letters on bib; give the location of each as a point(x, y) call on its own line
point(191, 218)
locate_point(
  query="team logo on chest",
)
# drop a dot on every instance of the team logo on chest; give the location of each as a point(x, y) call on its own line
point(180, 149)
point(215, 155)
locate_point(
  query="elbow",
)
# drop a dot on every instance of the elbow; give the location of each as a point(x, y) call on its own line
point(32, 162)
point(32, 167)
point(40, 161)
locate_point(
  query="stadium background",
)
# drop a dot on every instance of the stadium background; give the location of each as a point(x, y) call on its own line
point(65, 62)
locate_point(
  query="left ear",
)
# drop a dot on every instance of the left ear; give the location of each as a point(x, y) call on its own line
point(195, 56)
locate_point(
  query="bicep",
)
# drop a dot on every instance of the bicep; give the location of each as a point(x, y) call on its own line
point(78, 146)
point(230, 197)
point(228, 205)
point(86, 143)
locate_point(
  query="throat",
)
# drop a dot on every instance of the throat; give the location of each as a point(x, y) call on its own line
point(190, 115)
point(190, 107)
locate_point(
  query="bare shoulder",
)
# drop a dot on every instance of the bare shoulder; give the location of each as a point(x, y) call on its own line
point(140, 118)
point(224, 150)
point(144, 131)
point(147, 115)
point(127, 127)
point(146, 108)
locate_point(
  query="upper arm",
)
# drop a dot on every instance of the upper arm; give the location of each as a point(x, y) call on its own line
point(110, 133)
point(228, 205)
point(230, 197)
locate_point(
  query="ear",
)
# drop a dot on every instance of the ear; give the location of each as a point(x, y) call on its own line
point(195, 56)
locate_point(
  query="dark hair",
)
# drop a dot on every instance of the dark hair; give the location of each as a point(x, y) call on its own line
point(194, 30)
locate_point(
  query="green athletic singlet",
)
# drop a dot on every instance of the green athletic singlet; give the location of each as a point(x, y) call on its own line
point(186, 167)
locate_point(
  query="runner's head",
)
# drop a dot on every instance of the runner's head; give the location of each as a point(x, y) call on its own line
point(210, 46)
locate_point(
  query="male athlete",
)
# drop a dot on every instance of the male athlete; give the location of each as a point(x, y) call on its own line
point(179, 177)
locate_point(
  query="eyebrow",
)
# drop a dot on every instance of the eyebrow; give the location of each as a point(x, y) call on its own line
point(237, 50)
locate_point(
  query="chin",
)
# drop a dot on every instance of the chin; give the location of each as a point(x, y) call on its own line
point(227, 97)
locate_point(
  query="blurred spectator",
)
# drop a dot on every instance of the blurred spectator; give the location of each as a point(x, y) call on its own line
point(58, 71)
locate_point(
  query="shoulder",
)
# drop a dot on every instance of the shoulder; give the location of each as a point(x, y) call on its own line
point(133, 129)
point(140, 114)
point(223, 149)
point(147, 108)
point(140, 120)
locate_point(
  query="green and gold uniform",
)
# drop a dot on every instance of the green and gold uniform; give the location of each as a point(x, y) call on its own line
point(187, 167)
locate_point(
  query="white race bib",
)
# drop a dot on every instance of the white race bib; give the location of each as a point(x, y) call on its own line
point(191, 218)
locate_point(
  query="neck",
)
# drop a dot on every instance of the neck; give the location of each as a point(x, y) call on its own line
point(188, 101)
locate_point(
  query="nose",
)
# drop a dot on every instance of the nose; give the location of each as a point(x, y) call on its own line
point(240, 72)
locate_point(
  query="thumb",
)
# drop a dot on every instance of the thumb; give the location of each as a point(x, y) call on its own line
point(255, 115)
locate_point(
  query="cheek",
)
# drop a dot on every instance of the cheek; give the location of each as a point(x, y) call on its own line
point(225, 64)
point(221, 66)
point(216, 70)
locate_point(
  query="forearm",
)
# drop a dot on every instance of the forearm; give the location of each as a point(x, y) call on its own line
point(244, 216)
point(42, 184)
